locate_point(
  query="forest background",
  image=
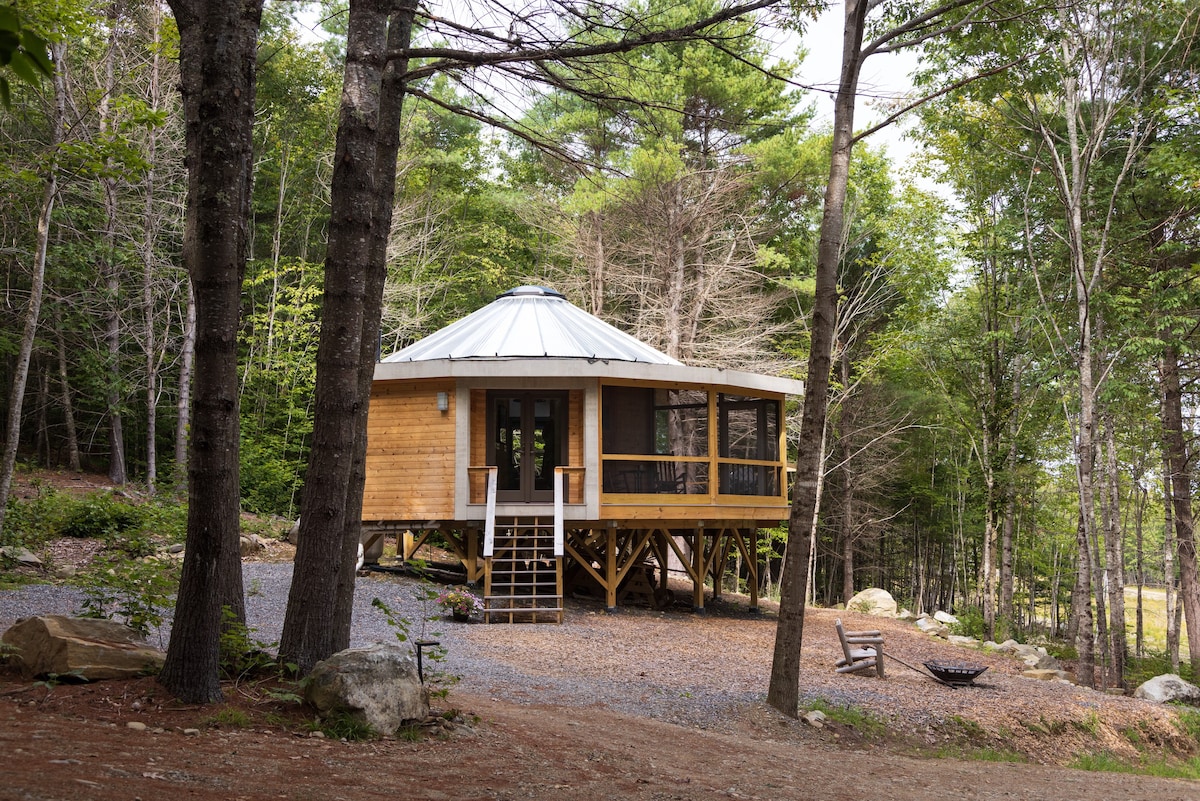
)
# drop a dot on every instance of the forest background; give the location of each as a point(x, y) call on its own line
point(1012, 401)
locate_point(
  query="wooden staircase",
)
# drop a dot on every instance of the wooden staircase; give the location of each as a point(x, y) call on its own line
point(523, 578)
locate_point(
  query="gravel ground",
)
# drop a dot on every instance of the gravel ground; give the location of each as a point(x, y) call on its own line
point(701, 671)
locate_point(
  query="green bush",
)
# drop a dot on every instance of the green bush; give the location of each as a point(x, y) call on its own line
point(133, 592)
point(32, 521)
point(100, 517)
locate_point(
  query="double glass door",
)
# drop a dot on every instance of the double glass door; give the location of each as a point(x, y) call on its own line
point(527, 440)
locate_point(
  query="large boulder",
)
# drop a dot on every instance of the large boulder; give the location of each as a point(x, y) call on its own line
point(378, 685)
point(873, 601)
point(84, 647)
point(1168, 687)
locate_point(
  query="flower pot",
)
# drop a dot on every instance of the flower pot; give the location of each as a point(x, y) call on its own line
point(461, 617)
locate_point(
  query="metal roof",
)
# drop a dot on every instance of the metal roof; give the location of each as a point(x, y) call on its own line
point(531, 322)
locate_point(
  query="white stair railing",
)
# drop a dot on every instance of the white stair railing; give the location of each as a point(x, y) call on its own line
point(558, 511)
point(489, 523)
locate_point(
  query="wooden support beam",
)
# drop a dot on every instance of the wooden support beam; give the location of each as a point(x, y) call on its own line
point(699, 570)
point(610, 569)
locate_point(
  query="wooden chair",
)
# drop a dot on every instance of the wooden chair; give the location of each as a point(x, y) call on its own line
point(862, 650)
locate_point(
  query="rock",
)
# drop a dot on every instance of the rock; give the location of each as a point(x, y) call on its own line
point(251, 544)
point(293, 535)
point(84, 647)
point(931, 626)
point(1168, 687)
point(175, 548)
point(815, 718)
point(21, 555)
point(904, 614)
point(1048, 675)
point(873, 601)
point(966, 642)
point(378, 685)
point(136, 725)
point(1006, 647)
point(944, 617)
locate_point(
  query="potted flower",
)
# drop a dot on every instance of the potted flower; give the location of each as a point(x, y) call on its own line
point(460, 603)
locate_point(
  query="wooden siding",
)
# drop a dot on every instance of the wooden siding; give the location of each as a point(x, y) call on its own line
point(410, 452)
point(575, 446)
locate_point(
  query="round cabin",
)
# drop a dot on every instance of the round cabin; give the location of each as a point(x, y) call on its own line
point(555, 453)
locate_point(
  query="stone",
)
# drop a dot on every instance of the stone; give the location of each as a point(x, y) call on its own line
point(136, 725)
point(814, 718)
point(251, 544)
point(904, 614)
point(21, 555)
point(873, 601)
point(1048, 675)
point(1168, 687)
point(378, 685)
point(965, 642)
point(944, 617)
point(84, 647)
point(931, 626)
point(293, 535)
point(175, 548)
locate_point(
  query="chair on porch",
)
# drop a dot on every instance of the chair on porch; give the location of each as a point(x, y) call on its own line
point(862, 650)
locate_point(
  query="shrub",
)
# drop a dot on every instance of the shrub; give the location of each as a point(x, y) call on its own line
point(101, 517)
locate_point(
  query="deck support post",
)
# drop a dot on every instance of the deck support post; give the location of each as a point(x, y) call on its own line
point(610, 569)
point(752, 569)
point(699, 569)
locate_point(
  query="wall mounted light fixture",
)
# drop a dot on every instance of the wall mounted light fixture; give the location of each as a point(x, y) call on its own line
point(443, 401)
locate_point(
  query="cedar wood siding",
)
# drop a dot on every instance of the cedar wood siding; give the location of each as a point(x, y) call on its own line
point(410, 452)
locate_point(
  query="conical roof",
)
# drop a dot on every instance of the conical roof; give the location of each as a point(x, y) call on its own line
point(531, 322)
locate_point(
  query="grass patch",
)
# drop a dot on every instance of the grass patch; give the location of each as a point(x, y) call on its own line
point(1187, 720)
point(1107, 763)
point(228, 717)
point(343, 726)
point(863, 722)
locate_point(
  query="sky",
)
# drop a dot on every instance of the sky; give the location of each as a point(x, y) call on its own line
point(883, 76)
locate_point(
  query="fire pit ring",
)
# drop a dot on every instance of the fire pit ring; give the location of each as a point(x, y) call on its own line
point(957, 674)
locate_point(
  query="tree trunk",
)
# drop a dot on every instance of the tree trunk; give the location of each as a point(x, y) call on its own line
point(1114, 546)
point(183, 415)
point(387, 146)
point(1180, 471)
point(16, 396)
point(217, 65)
point(149, 338)
point(68, 407)
point(784, 690)
point(111, 274)
point(1168, 554)
point(310, 631)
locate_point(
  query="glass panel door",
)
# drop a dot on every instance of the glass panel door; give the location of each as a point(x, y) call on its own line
point(528, 441)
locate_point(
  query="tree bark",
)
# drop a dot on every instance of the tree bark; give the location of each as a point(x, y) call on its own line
point(1180, 472)
point(783, 691)
point(68, 406)
point(310, 629)
point(217, 64)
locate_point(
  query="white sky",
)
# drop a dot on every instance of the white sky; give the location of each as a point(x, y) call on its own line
point(883, 77)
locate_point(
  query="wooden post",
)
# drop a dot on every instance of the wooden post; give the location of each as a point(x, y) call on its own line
point(472, 560)
point(698, 570)
point(752, 568)
point(610, 569)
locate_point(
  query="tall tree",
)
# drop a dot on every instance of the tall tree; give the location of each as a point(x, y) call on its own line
point(217, 67)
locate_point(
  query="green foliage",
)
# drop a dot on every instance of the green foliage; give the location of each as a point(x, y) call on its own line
point(344, 726)
point(1187, 720)
point(131, 591)
point(241, 656)
point(100, 516)
point(970, 622)
point(22, 51)
point(864, 722)
point(229, 717)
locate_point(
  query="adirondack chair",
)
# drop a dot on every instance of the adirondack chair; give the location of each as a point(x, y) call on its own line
point(862, 650)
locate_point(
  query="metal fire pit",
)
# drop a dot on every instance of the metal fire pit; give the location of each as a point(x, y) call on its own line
point(956, 674)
